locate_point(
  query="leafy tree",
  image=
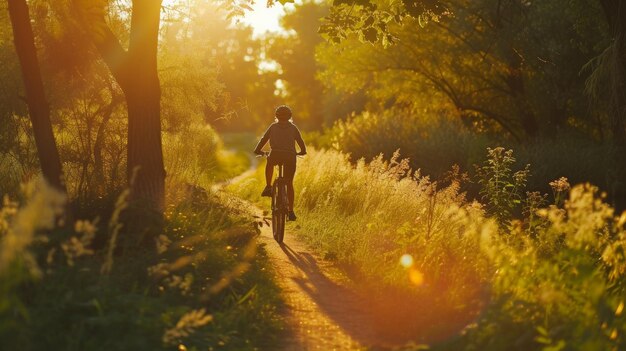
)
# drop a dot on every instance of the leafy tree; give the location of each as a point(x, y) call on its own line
point(491, 65)
point(218, 65)
point(295, 53)
point(135, 71)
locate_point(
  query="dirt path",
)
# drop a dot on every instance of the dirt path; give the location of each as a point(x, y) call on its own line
point(323, 313)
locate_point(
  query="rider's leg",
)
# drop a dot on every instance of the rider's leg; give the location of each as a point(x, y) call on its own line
point(269, 173)
point(290, 171)
point(290, 194)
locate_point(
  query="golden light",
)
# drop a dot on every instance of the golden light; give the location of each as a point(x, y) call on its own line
point(406, 260)
point(416, 277)
point(264, 19)
point(261, 19)
point(620, 309)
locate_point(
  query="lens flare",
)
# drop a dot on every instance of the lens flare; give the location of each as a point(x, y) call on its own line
point(416, 277)
point(406, 260)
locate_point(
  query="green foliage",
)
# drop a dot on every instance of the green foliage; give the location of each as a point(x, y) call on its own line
point(369, 20)
point(501, 187)
point(483, 65)
point(550, 277)
point(297, 67)
point(206, 286)
point(383, 210)
point(192, 154)
point(565, 283)
point(431, 145)
point(222, 73)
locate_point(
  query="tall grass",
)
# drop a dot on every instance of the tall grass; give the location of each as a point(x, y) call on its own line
point(433, 144)
point(203, 285)
point(548, 272)
point(369, 215)
point(197, 155)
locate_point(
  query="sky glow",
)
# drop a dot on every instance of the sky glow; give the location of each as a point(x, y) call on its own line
point(264, 19)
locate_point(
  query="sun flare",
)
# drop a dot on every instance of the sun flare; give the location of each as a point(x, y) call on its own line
point(262, 19)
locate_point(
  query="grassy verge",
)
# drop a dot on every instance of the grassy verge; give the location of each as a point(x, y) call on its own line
point(522, 271)
point(364, 217)
point(201, 157)
point(207, 286)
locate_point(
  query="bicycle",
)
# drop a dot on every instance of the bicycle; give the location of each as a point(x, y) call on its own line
point(280, 202)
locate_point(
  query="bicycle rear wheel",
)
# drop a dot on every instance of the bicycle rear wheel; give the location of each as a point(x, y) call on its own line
point(279, 212)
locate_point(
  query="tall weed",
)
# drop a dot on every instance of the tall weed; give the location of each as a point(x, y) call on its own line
point(370, 215)
point(550, 269)
point(204, 285)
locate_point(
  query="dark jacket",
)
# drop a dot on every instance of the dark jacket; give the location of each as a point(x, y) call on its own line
point(282, 136)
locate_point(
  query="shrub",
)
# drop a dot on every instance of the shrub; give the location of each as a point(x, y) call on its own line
point(431, 145)
point(204, 286)
point(434, 144)
point(501, 187)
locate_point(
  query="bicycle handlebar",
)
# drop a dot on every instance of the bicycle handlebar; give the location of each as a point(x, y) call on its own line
point(267, 154)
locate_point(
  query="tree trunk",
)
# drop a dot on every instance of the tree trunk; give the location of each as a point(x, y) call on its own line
point(146, 170)
point(38, 107)
point(135, 70)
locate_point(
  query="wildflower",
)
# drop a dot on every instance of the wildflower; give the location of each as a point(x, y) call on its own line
point(43, 206)
point(560, 185)
point(162, 243)
point(86, 227)
point(159, 270)
point(186, 325)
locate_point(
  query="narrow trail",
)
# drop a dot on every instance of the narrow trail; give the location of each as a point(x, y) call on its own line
point(325, 312)
point(322, 312)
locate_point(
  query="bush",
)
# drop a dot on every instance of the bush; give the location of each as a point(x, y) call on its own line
point(204, 285)
point(559, 288)
point(434, 145)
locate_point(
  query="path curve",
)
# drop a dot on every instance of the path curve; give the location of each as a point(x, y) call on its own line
point(323, 313)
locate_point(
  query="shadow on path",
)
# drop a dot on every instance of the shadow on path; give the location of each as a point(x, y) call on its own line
point(379, 323)
point(340, 304)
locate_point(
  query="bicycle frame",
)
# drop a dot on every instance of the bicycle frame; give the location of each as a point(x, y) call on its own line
point(279, 202)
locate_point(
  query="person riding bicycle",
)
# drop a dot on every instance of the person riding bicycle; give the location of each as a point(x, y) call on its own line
point(283, 136)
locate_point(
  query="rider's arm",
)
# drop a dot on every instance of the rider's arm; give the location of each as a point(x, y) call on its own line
point(263, 141)
point(300, 142)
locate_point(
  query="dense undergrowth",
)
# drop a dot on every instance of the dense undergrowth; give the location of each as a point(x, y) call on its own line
point(433, 144)
point(546, 271)
point(203, 284)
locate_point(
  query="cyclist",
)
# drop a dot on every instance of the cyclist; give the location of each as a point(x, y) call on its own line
point(283, 136)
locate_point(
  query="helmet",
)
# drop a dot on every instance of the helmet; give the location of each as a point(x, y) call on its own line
point(283, 111)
